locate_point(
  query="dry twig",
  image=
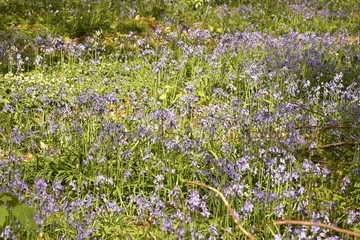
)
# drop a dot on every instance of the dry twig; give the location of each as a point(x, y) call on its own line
point(336, 229)
point(226, 204)
point(326, 127)
point(338, 144)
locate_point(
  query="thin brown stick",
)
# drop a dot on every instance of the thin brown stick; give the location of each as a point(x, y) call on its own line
point(308, 109)
point(336, 229)
point(293, 222)
point(226, 204)
point(338, 144)
point(326, 127)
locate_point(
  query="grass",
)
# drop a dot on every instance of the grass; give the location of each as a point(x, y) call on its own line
point(104, 115)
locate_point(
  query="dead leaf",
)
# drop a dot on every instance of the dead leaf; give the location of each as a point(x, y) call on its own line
point(28, 156)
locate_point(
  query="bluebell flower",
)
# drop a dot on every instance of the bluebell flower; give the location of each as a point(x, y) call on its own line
point(167, 225)
point(344, 182)
point(7, 234)
point(353, 217)
point(193, 200)
point(213, 231)
point(8, 108)
point(247, 208)
point(100, 180)
point(40, 186)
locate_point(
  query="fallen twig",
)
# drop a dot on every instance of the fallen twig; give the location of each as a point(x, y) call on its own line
point(299, 105)
point(336, 229)
point(338, 144)
point(294, 222)
point(326, 127)
point(226, 204)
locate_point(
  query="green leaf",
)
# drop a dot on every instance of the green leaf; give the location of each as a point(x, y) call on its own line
point(3, 214)
point(67, 39)
point(201, 93)
point(40, 19)
point(214, 154)
point(114, 25)
point(24, 214)
point(219, 30)
point(179, 95)
point(168, 87)
point(8, 199)
point(4, 100)
point(163, 96)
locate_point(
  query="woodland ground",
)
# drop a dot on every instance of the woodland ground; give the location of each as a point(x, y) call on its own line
point(107, 106)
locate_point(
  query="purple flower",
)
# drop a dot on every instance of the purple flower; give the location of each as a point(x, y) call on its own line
point(127, 175)
point(204, 210)
point(193, 200)
point(53, 126)
point(7, 234)
point(167, 225)
point(110, 98)
point(344, 182)
point(147, 155)
point(16, 136)
point(353, 217)
point(88, 201)
point(8, 108)
point(40, 186)
point(175, 192)
point(300, 233)
point(333, 238)
point(82, 233)
point(18, 184)
point(279, 212)
point(196, 235)
point(243, 164)
point(73, 185)
point(113, 207)
point(213, 231)
point(247, 208)
point(315, 229)
point(159, 178)
point(100, 180)
point(278, 237)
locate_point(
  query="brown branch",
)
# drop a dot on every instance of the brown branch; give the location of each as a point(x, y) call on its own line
point(326, 127)
point(226, 204)
point(338, 144)
point(309, 110)
point(336, 229)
